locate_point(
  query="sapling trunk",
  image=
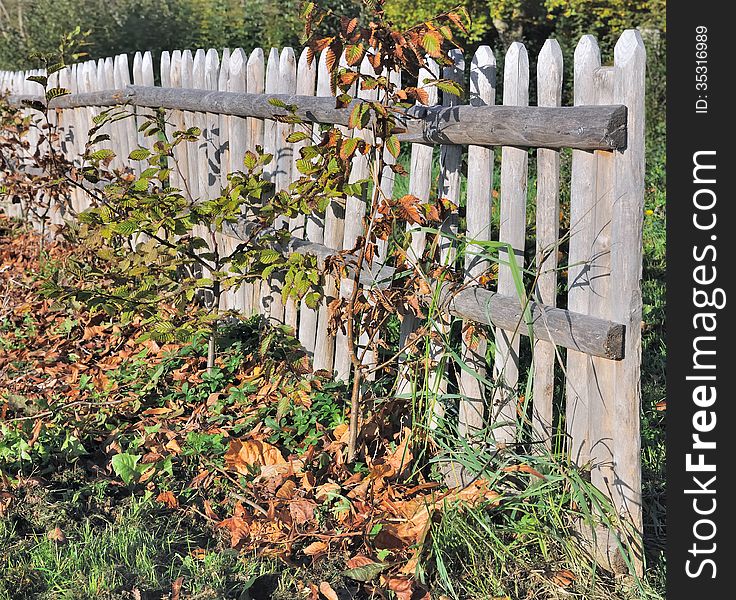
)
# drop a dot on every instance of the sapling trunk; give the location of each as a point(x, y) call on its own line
point(212, 340)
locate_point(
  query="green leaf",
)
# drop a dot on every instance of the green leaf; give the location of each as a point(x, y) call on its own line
point(312, 300)
point(393, 146)
point(139, 154)
point(366, 572)
point(297, 136)
point(450, 87)
point(42, 79)
point(354, 119)
point(55, 93)
point(127, 468)
point(250, 160)
point(277, 103)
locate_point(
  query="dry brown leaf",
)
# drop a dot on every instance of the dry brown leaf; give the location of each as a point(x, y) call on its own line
point(403, 587)
point(316, 548)
point(360, 560)
point(167, 498)
point(302, 511)
point(563, 578)
point(322, 492)
point(286, 491)
point(327, 591)
point(56, 535)
point(249, 453)
point(176, 588)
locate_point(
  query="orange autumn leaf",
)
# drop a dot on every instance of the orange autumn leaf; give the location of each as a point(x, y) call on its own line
point(243, 456)
point(316, 548)
point(167, 498)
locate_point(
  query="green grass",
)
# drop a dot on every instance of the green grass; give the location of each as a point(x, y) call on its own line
point(108, 553)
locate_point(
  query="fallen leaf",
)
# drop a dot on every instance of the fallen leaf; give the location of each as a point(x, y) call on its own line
point(56, 535)
point(403, 587)
point(302, 511)
point(327, 591)
point(316, 548)
point(563, 578)
point(168, 499)
point(176, 588)
point(209, 511)
point(240, 456)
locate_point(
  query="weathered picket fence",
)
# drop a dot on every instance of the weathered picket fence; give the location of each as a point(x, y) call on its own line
point(226, 95)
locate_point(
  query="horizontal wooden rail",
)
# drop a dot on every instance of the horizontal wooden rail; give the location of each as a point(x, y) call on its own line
point(591, 335)
point(579, 127)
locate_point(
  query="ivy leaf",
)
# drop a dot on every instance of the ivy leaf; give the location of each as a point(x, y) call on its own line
point(127, 468)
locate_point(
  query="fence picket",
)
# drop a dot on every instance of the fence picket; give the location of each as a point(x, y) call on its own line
point(549, 93)
point(478, 219)
point(582, 203)
point(126, 127)
point(512, 230)
point(324, 348)
point(310, 227)
point(285, 159)
point(355, 211)
point(420, 186)
point(626, 272)
point(255, 84)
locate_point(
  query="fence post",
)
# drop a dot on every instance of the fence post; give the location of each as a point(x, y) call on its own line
point(582, 204)
point(626, 271)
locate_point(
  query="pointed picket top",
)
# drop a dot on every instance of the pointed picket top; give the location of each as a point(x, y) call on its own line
point(147, 68)
point(187, 69)
point(236, 65)
point(165, 69)
point(211, 69)
point(586, 60)
point(224, 73)
point(483, 77)
point(272, 71)
point(629, 47)
point(306, 75)
point(175, 72)
point(516, 69)
point(323, 76)
point(121, 71)
point(198, 69)
point(137, 68)
point(454, 72)
point(549, 74)
point(73, 82)
point(256, 70)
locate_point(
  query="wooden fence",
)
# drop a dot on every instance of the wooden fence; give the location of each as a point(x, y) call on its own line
point(226, 95)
